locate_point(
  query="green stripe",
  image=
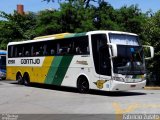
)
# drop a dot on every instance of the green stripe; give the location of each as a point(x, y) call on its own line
point(53, 69)
point(75, 35)
point(62, 69)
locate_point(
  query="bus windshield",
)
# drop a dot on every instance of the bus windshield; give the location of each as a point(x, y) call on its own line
point(130, 59)
point(123, 39)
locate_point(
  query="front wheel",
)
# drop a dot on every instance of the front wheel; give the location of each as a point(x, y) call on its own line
point(82, 85)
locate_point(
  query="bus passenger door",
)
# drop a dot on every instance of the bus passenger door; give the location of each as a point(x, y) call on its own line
point(104, 58)
point(101, 60)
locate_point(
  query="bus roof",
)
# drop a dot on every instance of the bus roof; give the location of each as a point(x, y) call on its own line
point(3, 52)
point(60, 36)
point(68, 35)
point(110, 31)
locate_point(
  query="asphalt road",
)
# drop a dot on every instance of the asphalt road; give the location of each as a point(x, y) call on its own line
point(40, 99)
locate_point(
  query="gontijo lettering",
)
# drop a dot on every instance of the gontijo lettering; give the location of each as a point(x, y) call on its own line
point(30, 61)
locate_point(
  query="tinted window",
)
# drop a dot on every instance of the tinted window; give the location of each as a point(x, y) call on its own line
point(101, 55)
point(67, 46)
point(2, 62)
point(123, 39)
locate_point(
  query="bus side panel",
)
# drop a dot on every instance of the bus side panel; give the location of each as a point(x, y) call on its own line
point(37, 74)
point(58, 70)
point(51, 71)
point(79, 66)
point(11, 73)
point(83, 66)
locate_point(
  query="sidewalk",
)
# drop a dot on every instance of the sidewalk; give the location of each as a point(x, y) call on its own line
point(152, 88)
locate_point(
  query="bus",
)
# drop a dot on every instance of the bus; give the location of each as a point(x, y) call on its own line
point(100, 60)
point(3, 64)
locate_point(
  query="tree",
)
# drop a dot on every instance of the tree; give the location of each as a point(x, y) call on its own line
point(131, 19)
point(76, 18)
point(105, 17)
point(71, 17)
point(48, 22)
point(151, 33)
point(16, 27)
point(85, 2)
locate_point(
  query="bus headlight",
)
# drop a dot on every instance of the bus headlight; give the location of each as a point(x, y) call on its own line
point(119, 79)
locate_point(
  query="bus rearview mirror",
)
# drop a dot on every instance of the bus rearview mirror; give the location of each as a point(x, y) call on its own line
point(148, 52)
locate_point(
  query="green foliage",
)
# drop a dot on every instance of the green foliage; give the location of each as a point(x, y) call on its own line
point(16, 27)
point(76, 18)
point(105, 17)
point(151, 32)
point(86, 3)
point(48, 22)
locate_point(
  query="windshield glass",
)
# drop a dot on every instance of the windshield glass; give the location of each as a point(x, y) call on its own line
point(123, 39)
point(129, 60)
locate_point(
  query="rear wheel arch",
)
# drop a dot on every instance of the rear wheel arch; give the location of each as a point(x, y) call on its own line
point(18, 73)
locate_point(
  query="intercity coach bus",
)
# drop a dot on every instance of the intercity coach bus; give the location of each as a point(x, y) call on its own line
point(100, 60)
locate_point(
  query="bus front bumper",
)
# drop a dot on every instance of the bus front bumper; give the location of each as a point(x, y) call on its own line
point(122, 86)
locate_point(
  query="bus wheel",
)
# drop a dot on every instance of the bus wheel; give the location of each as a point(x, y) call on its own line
point(26, 79)
point(82, 84)
point(19, 78)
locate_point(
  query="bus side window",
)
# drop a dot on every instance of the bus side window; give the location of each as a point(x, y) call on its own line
point(15, 54)
point(52, 51)
point(10, 51)
point(23, 52)
point(45, 50)
point(68, 50)
point(81, 45)
point(27, 53)
point(50, 48)
point(32, 51)
point(60, 51)
point(20, 54)
point(37, 53)
point(78, 50)
point(41, 51)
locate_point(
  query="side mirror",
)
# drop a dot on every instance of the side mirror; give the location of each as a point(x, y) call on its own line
point(148, 52)
point(114, 49)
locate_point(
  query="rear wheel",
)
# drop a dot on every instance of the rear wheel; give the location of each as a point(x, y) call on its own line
point(82, 84)
point(26, 79)
point(19, 79)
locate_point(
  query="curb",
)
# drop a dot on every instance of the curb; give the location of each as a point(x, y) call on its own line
point(152, 88)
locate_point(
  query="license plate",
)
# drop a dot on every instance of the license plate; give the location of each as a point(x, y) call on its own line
point(133, 85)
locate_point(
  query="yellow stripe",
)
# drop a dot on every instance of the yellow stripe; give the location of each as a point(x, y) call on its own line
point(36, 74)
point(61, 35)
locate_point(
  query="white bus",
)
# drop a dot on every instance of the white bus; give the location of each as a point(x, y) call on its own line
point(100, 60)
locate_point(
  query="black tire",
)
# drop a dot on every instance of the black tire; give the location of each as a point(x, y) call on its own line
point(26, 79)
point(19, 79)
point(4, 78)
point(83, 85)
